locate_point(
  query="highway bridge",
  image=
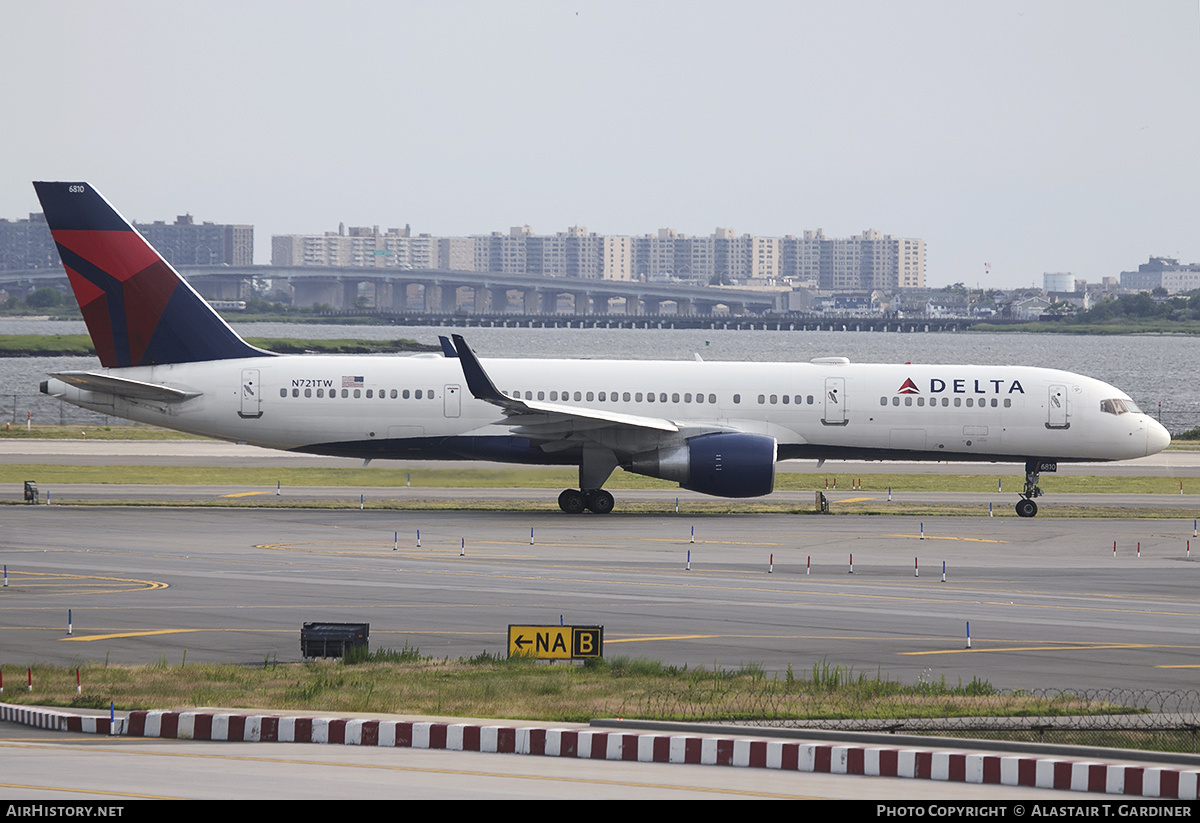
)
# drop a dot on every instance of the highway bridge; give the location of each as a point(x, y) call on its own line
point(456, 298)
point(440, 291)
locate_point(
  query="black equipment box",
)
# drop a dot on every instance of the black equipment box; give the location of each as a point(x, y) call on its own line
point(333, 639)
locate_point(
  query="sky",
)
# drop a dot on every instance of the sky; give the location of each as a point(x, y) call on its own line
point(1040, 136)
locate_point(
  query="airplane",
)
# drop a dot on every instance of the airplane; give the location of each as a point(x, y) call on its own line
point(719, 428)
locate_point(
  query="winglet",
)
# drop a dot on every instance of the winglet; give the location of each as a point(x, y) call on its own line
point(480, 385)
point(447, 346)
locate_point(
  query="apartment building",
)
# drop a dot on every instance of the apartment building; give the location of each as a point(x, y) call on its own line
point(870, 260)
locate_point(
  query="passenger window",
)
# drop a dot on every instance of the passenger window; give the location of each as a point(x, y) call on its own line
point(417, 394)
point(295, 392)
point(320, 392)
point(762, 398)
point(908, 401)
point(625, 397)
point(345, 392)
point(712, 398)
point(883, 401)
point(308, 392)
point(675, 397)
point(737, 398)
point(283, 392)
point(579, 397)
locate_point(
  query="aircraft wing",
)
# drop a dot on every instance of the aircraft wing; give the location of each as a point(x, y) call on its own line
point(123, 386)
point(547, 420)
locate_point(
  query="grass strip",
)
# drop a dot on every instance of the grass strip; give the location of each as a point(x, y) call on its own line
point(487, 685)
point(635, 507)
point(520, 477)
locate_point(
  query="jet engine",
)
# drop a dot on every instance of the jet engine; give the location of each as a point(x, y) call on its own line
point(723, 464)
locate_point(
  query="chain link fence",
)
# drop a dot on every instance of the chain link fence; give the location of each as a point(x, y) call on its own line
point(1176, 421)
point(1166, 721)
point(16, 409)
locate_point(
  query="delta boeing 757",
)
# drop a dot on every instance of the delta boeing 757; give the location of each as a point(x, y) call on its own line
point(168, 359)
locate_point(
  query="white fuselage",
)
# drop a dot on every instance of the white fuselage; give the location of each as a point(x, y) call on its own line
point(382, 406)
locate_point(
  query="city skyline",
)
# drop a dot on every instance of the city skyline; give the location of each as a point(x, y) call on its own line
point(1030, 136)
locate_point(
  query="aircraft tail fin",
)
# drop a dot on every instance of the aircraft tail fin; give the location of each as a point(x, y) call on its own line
point(138, 310)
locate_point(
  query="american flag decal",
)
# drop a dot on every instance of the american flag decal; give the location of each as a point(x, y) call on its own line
point(352, 381)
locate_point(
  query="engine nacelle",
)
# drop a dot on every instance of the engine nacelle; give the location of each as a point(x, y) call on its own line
point(723, 464)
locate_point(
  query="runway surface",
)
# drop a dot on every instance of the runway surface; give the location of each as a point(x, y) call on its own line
point(1047, 602)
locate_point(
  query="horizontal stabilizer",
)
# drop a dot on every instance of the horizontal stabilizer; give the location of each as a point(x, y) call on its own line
point(123, 386)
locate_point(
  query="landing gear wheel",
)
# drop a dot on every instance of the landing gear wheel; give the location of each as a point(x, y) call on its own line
point(599, 501)
point(571, 501)
point(1026, 507)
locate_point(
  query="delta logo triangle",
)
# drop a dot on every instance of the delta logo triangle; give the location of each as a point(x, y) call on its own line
point(909, 387)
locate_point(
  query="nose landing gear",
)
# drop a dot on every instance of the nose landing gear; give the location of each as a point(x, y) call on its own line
point(1033, 471)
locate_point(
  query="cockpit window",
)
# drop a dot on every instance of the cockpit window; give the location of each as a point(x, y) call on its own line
point(1118, 406)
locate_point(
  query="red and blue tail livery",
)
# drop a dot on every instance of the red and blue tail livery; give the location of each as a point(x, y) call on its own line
point(138, 310)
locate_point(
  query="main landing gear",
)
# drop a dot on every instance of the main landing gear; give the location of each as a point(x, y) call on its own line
point(596, 465)
point(574, 501)
point(1033, 469)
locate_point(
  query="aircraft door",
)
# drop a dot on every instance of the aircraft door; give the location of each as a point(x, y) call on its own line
point(452, 401)
point(1056, 406)
point(835, 402)
point(251, 407)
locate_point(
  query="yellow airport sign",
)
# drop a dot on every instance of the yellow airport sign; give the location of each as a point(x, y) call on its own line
point(556, 642)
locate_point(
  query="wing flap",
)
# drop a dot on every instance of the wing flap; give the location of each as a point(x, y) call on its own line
point(123, 386)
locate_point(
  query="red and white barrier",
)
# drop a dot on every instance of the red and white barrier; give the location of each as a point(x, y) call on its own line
point(654, 747)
